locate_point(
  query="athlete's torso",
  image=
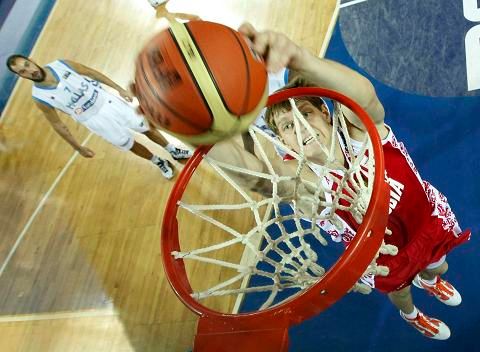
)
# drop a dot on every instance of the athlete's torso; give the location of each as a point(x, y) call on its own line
point(78, 96)
point(409, 206)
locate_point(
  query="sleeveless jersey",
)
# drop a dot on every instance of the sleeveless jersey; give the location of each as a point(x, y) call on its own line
point(78, 96)
point(423, 226)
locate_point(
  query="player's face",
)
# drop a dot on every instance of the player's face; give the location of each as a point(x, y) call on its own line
point(29, 70)
point(319, 120)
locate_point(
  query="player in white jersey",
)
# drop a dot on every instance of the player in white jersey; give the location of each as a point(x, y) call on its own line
point(75, 90)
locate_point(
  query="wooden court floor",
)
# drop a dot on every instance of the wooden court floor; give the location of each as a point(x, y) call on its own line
point(79, 250)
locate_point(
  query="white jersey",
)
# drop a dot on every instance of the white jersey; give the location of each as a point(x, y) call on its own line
point(78, 96)
point(83, 98)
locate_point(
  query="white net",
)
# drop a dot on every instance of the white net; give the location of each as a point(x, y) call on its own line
point(280, 248)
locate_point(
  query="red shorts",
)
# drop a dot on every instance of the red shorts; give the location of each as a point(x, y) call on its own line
point(428, 246)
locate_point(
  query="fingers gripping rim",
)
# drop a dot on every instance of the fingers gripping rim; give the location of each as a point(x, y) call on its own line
point(341, 276)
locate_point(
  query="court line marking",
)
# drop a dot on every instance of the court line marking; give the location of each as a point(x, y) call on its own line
point(346, 4)
point(91, 313)
point(40, 206)
point(331, 28)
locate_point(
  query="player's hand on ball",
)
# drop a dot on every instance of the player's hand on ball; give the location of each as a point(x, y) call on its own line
point(86, 152)
point(277, 49)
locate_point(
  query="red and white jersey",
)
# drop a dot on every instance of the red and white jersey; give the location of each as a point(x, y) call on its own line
point(423, 226)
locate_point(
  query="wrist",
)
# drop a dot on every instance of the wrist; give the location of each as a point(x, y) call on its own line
point(300, 59)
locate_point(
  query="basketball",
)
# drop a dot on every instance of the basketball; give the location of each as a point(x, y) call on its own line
point(200, 82)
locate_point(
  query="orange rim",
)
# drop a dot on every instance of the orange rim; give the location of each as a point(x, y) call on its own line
point(337, 280)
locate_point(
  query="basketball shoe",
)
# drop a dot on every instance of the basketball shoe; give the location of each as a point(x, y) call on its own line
point(165, 167)
point(441, 289)
point(179, 153)
point(157, 3)
point(429, 327)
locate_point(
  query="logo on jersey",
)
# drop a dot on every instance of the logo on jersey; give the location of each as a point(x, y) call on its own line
point(396, 190)
point(66, 75)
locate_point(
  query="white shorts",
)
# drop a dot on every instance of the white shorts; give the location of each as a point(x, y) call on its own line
point(115, 121)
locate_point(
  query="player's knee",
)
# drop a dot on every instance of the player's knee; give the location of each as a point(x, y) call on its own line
point(439, 270)
point(126, 144)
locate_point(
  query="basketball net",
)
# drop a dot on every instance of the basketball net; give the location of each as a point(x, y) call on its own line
point(292, 261)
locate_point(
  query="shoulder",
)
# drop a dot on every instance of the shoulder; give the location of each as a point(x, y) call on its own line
point(389, 137)
point(67, 64)
point(59, 67)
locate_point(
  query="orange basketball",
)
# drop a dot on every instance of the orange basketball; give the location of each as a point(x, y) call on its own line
point(200, 81)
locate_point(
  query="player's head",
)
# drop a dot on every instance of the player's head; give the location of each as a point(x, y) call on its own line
point(279, 118)
point(25, 68)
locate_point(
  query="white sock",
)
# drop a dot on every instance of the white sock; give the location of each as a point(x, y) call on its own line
point(411, 315)
point(430, 282)
point(155, 159)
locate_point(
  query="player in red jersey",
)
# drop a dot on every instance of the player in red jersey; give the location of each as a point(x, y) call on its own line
point(423, 227)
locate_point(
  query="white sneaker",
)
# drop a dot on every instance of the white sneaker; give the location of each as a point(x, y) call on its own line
point(179, 153)
point(157, 3)
point(165, 167)
point(442, 290)
point(429, 327)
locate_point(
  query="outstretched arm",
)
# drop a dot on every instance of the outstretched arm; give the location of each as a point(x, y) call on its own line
point(279, 51)
point(90, 72)
point(61, 129)
point(231, 152)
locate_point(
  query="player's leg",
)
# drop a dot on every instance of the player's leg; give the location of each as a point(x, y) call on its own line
point(155, 136)
point(127, 116)
point(445, 231)
point(432, 271)
point(141, 151)
point(110, 124)
point(429, 327)
point(402, 299)
point(176, 152)
point(163, 164)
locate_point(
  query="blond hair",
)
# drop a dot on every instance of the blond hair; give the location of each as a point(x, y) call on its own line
point(297, 80)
